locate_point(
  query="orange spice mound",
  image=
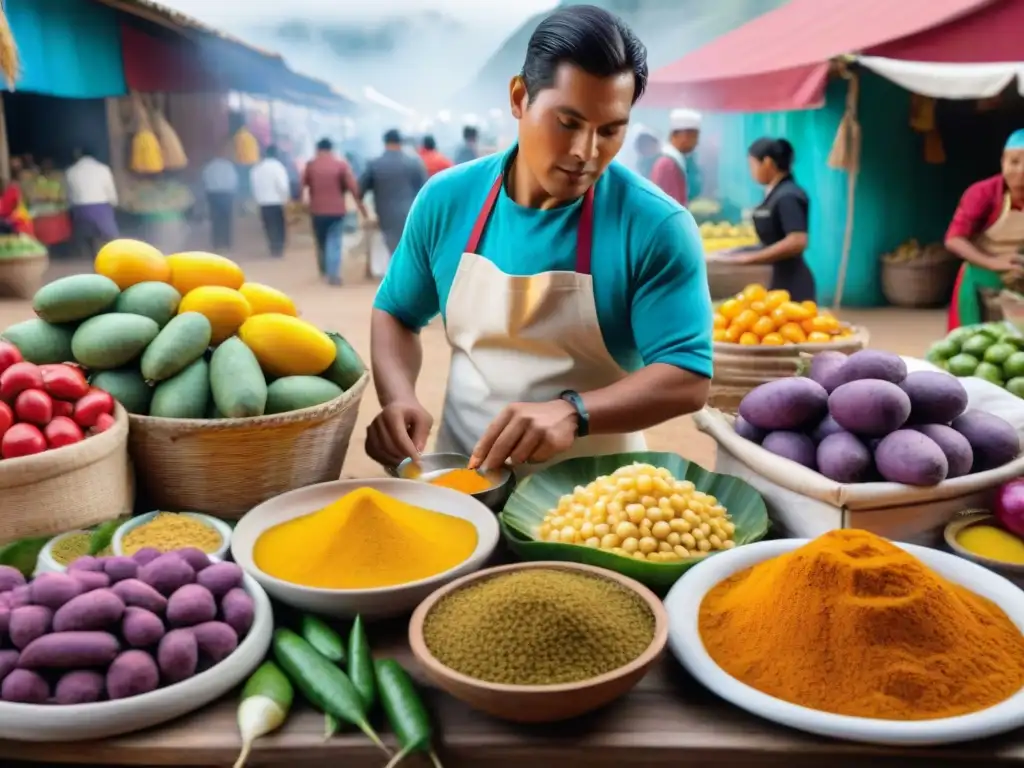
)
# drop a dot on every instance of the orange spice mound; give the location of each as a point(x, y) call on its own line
point(854, 625)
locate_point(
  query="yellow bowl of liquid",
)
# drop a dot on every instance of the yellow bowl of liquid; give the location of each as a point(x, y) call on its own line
point(969, 537)
point(449, 470)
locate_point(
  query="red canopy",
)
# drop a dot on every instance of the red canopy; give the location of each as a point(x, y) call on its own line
point(781, 60)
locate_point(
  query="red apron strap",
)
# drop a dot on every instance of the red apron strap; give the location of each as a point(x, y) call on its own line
point(585, 234)
point(481, 220)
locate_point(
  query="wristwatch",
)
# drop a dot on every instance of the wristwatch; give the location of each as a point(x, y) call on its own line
point(574, 399)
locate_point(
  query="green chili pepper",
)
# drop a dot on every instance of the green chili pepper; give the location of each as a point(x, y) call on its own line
point(360, 664)
point(406, 711)
point(324, 639)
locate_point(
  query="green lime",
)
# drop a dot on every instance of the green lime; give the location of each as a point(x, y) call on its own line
point(977, 344)
point(1016, 386)
point(999, 353)
point(989, 372)
point(959, 336)
point(941, 350)
point(962, 365)
point(1013, 366)
point(995, 330)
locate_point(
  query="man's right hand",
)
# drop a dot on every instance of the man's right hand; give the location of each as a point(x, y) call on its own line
point(398, 432)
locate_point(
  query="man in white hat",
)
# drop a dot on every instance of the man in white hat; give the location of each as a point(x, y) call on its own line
point(675, 170)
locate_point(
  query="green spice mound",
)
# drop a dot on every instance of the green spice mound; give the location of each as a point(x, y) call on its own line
point(539, 627)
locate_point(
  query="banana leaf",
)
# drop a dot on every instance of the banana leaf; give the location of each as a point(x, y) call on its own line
point(538, 493)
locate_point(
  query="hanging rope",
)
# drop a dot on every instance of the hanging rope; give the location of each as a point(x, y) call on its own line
point(845, 155)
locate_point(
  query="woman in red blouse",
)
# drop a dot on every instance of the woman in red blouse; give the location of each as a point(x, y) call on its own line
point(987, 232)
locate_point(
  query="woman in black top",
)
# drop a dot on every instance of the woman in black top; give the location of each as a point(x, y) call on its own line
point(780, 220)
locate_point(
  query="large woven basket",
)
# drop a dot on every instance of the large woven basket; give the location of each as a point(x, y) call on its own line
point(921, 283)
point(726, 279)
point(225, 467)
point(20, 278)
point(739, 369)
point(77, 486)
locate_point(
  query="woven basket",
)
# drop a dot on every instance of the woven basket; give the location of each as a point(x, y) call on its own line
point(726, 279)
point(20, 278)
point(225, 467)
point(739, 369)
point(919, 284)
point(72, 487)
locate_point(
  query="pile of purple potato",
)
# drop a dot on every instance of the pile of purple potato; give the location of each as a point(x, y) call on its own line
point(114, 627)
point(862, 418)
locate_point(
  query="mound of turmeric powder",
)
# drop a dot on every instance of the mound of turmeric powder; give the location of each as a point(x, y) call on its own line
point(853, 625)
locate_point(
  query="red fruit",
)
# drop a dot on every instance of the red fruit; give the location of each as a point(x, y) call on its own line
point(6, 417)
point(90, 407)
point(34, 406)
point(63, 408)
point(63, 431)
point(22, 440)
point(103, 423)
point(9, 355)
point(64, 382)
point(19, 377)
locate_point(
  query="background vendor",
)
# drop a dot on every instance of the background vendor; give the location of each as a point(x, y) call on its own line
point(675, 169)
point(573, 291)
point(987, 232)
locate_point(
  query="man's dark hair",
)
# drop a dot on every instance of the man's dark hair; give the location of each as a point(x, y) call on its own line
point(470, 133)
point(324, 145)
point(393, 137)
point(429, 143)
point(270, 151)
point(591, 38)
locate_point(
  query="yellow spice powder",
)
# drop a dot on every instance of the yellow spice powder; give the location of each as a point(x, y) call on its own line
point(365, 539)
point(169, 531)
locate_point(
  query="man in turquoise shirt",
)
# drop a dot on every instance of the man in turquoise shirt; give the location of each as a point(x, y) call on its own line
point(573, 291)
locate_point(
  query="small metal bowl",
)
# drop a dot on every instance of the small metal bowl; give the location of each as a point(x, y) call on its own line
point(431, 465)
point(1011, 571)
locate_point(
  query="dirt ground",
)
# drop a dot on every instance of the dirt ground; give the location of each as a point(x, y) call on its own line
point(347, 310)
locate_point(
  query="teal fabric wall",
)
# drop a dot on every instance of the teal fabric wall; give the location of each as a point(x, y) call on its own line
point(68, 48)
point(898, 195)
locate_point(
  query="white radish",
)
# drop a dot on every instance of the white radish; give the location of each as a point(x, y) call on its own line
point(266, 699)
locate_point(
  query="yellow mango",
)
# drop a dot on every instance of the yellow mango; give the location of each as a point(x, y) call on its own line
point(286, 345)
point(128, 262)
point(264, 299)
point(225, 308)
point(196, 269)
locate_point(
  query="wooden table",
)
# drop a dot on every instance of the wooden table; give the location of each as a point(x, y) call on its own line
point(668, 720)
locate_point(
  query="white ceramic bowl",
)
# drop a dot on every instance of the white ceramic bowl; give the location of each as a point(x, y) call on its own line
point(381, 602)
point(683, 605)
point(45, 563)
point(77, 722)
point(218, 525)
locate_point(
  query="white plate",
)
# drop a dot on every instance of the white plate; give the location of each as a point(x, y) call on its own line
point(76, 722)
point(218, 525)
point(683, 605)
point(381, 602)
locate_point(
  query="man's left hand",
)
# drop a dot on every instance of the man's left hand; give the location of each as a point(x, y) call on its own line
point(526, 432)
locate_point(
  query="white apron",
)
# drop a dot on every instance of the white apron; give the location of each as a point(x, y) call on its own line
point(1006, 234)
point(524, 339)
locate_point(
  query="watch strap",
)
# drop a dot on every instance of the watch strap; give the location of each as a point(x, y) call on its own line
point(574, 399)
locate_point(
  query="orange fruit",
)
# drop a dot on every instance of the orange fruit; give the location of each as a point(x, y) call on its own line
point(759, 307)
point(732, 335)
point(128, 262)
point(720, 322)
point(810, 306)
point(818, 337)
point(793, 332)
point(718, 334)
point(764, 325)
point(779, 316)
point(746, 319)
point(730, 308)
point(772, 340)
point(824, 323)
point(754, 292)
point(775, 299)
point(749, 339)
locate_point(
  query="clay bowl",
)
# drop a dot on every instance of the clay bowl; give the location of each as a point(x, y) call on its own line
point(538, 703)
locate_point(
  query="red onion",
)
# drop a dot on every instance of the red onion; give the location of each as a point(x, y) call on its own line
point(1009, 506)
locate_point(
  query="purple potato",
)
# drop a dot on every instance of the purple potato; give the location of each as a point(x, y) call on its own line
point(132, 674)
point(195, 557)
point(120, 567)
point(911, 458)
point(86, 563)
point(141, 628)
point(134, 592)
point(785, 404)
point(98, 609)
point(91, 580)
point(54, 589)
point(869, 407)
point(8, 663)
point(146, 555)
point(744, 429)
point(28, 623)
point(23, 686)
point(221, 578)
point(70, 650)
point(825, 368)
point(935, 398)
point(238, 610)
point(190, 605)
point(19, 596)
point(10, 578)
point(959, 453)
point(872, 364)
point(844, 458)
point(826, 427)
point(80, 686)
point(167, 573)
point(994, 440)
point(794, 446)
point(216, 640)
point(178, 655)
